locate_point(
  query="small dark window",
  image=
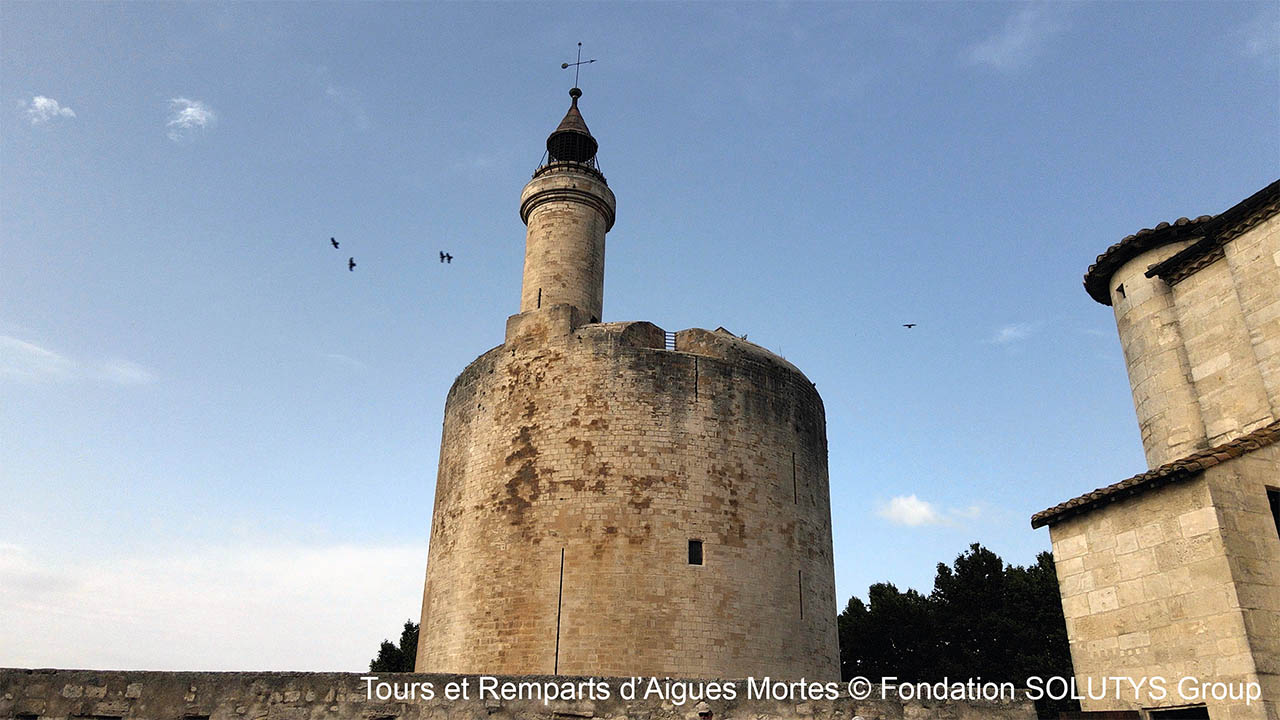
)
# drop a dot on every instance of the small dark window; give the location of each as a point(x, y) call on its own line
point(1120, 290)
point(695, 552)
point(1273, 496)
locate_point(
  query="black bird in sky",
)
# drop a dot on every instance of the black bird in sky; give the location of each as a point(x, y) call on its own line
point(908, 325)
point(446, 258)
point(351, 264)
point(335, 243)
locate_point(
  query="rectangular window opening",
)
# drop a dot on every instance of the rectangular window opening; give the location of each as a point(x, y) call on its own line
point(695, 552)
point(1273, 497)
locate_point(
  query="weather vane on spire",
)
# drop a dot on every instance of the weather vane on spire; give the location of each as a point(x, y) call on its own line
point(577, 65)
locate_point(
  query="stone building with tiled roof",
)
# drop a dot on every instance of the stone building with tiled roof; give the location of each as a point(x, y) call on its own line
point(1174, 574)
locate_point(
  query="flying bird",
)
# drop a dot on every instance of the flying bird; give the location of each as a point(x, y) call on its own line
point(351, 264)
point(908, 325)
point(334, 241)
point(446, 257)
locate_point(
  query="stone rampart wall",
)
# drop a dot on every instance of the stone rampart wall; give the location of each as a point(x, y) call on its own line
point(124, 695)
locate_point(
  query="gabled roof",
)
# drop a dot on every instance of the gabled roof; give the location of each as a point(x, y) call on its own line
point(1177, 470)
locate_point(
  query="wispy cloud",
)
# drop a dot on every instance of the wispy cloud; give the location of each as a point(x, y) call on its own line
point(1013, 333)
point(1260, 37)
point(349, 102)
point(1022, 37)
point(911, 511)
point(123, 372)
point(346, 361)
point(27, 362)
point(188, 118)
point(185, 609)
point(41, 109)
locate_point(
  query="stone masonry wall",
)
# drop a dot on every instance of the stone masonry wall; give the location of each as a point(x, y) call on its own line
point(1155, 355)
point(117, 695)
point(1220, 350)
point(576, 467)
point(1179, 581)
point(568, 213)
point(1254, 259)
point(1252, 543)
point(1203, 355)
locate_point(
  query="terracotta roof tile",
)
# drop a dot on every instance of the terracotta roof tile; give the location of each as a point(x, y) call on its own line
point(1098, 278)
point(1167, 473)
point(1225, 227)
point(1209, 231)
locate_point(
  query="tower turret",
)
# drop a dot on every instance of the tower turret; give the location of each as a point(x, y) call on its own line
point(568, 207)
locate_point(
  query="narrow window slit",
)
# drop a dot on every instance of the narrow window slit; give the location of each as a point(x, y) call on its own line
point(559, 607)
point(695, 552)
point(795, 488)
point(800, 584)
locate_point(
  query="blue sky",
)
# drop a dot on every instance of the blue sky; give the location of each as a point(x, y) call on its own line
point(218, 446)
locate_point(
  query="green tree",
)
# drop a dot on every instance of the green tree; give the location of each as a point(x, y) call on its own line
point(984, 618)
point(392, 658)
point(968, 603)
point(891, 635)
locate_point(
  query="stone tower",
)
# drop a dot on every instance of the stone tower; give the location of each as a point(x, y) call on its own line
point(616, 500)
point(1175, 572)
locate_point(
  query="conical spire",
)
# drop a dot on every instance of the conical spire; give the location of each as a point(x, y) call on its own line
point(572, 141)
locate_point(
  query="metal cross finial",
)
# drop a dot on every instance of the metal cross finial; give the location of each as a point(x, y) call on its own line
point(577, 65)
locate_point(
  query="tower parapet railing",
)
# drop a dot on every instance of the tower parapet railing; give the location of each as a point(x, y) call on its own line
point(591, 166)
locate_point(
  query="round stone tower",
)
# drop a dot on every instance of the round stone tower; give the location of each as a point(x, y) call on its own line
point(616, 500)
point(1164, 395)
point(568, 207)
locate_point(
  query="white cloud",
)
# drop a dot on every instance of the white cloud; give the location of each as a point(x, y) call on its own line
point(208, 607)
point(42, 109)
point(1013, 333)
point(911, 511)
point(26, 361)
point(188, 117)
point(1022, 37)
